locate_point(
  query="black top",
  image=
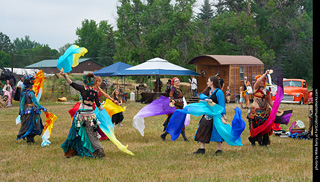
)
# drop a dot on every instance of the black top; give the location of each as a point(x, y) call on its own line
point(244, 85)
point(214, 96)
point(88, 95)
point(221, 82)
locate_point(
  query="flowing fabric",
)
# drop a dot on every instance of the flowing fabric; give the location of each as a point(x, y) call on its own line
point(47, 130)
point(283, 119)
point(74, 109)
point(107, 127)
point(230, 134)
point(112, 108)
point(176, 124)
point(157, 107)
point(38, 84)
point(70, 58)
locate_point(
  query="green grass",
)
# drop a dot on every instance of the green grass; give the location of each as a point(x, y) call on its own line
point(285, 159)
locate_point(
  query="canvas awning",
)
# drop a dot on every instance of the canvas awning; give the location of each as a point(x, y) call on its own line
point(109, 70)
point(155, 66)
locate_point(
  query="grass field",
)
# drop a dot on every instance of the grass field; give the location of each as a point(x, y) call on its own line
point(285, 159)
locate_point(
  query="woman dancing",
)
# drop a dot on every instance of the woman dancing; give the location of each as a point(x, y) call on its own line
point(176, 98)
point(207, 131)
point(97, 83)
point(83, 138)
point(29, 111)
point(260, 111)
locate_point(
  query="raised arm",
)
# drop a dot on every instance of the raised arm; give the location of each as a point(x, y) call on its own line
point(65, 76)
point(260, 79)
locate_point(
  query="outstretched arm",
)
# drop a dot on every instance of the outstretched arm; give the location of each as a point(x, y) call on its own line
point(35, 101)
point(65, 76)
point(105, 94)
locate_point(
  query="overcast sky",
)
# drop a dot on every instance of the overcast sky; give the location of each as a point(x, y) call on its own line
point(54, 22)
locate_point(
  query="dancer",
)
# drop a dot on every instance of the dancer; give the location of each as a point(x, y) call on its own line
point(118, 117)
point(207, 131)
point(29, 111)
point(83, 136)
point(260, 111)
point(176, 99)
point(97, 83)
point(7, 89)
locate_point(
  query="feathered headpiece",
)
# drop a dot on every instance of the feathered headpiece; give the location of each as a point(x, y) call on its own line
point(88, 80)
point(28, 81)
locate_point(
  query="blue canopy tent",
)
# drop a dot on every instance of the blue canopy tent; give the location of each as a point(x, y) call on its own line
point(109, 70)
point(157, 67)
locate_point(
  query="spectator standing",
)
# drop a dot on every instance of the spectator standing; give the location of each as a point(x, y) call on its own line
point(228, 94)
point(194, 86)
point(246, 84)
point(7, 89)
point(220, 81)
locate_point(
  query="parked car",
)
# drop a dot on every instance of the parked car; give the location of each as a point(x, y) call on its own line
point(295, 91)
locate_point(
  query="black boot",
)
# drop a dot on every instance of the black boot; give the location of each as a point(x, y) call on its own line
point(253, 143)
point(163, 136)
point(218, 152)
point(265, 139)
point(99, 153)
point(200, 151)
point(30, 139)
point(184, 136)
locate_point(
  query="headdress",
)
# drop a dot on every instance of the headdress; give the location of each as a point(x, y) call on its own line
point(28, 81)
point(173, 79)
point(88, 80)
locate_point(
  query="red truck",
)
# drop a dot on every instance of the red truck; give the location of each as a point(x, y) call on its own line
point(296, 91)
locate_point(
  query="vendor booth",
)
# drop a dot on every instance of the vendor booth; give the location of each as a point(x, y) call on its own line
point(155, 67)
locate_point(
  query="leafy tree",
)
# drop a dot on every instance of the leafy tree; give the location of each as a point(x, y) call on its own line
point(5, 43)
point(89, 37)
point(206, 12)
point(98, 39)
point(108, 48)
point(24, 43)
point(5, 59)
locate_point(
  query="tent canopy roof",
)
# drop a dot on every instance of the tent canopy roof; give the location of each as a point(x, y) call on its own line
point(156, 66)
point(109, 70)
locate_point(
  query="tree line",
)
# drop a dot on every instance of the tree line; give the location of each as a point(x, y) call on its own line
point(275, 31)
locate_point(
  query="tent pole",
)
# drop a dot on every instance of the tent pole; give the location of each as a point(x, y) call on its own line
point(157, 77)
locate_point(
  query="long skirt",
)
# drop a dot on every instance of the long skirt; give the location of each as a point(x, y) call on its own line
point(207, 131)
point(9, 94)
point(117, 118)
point(257, 117)
point(82, 139)
point(31, 124)
point(17, 94)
